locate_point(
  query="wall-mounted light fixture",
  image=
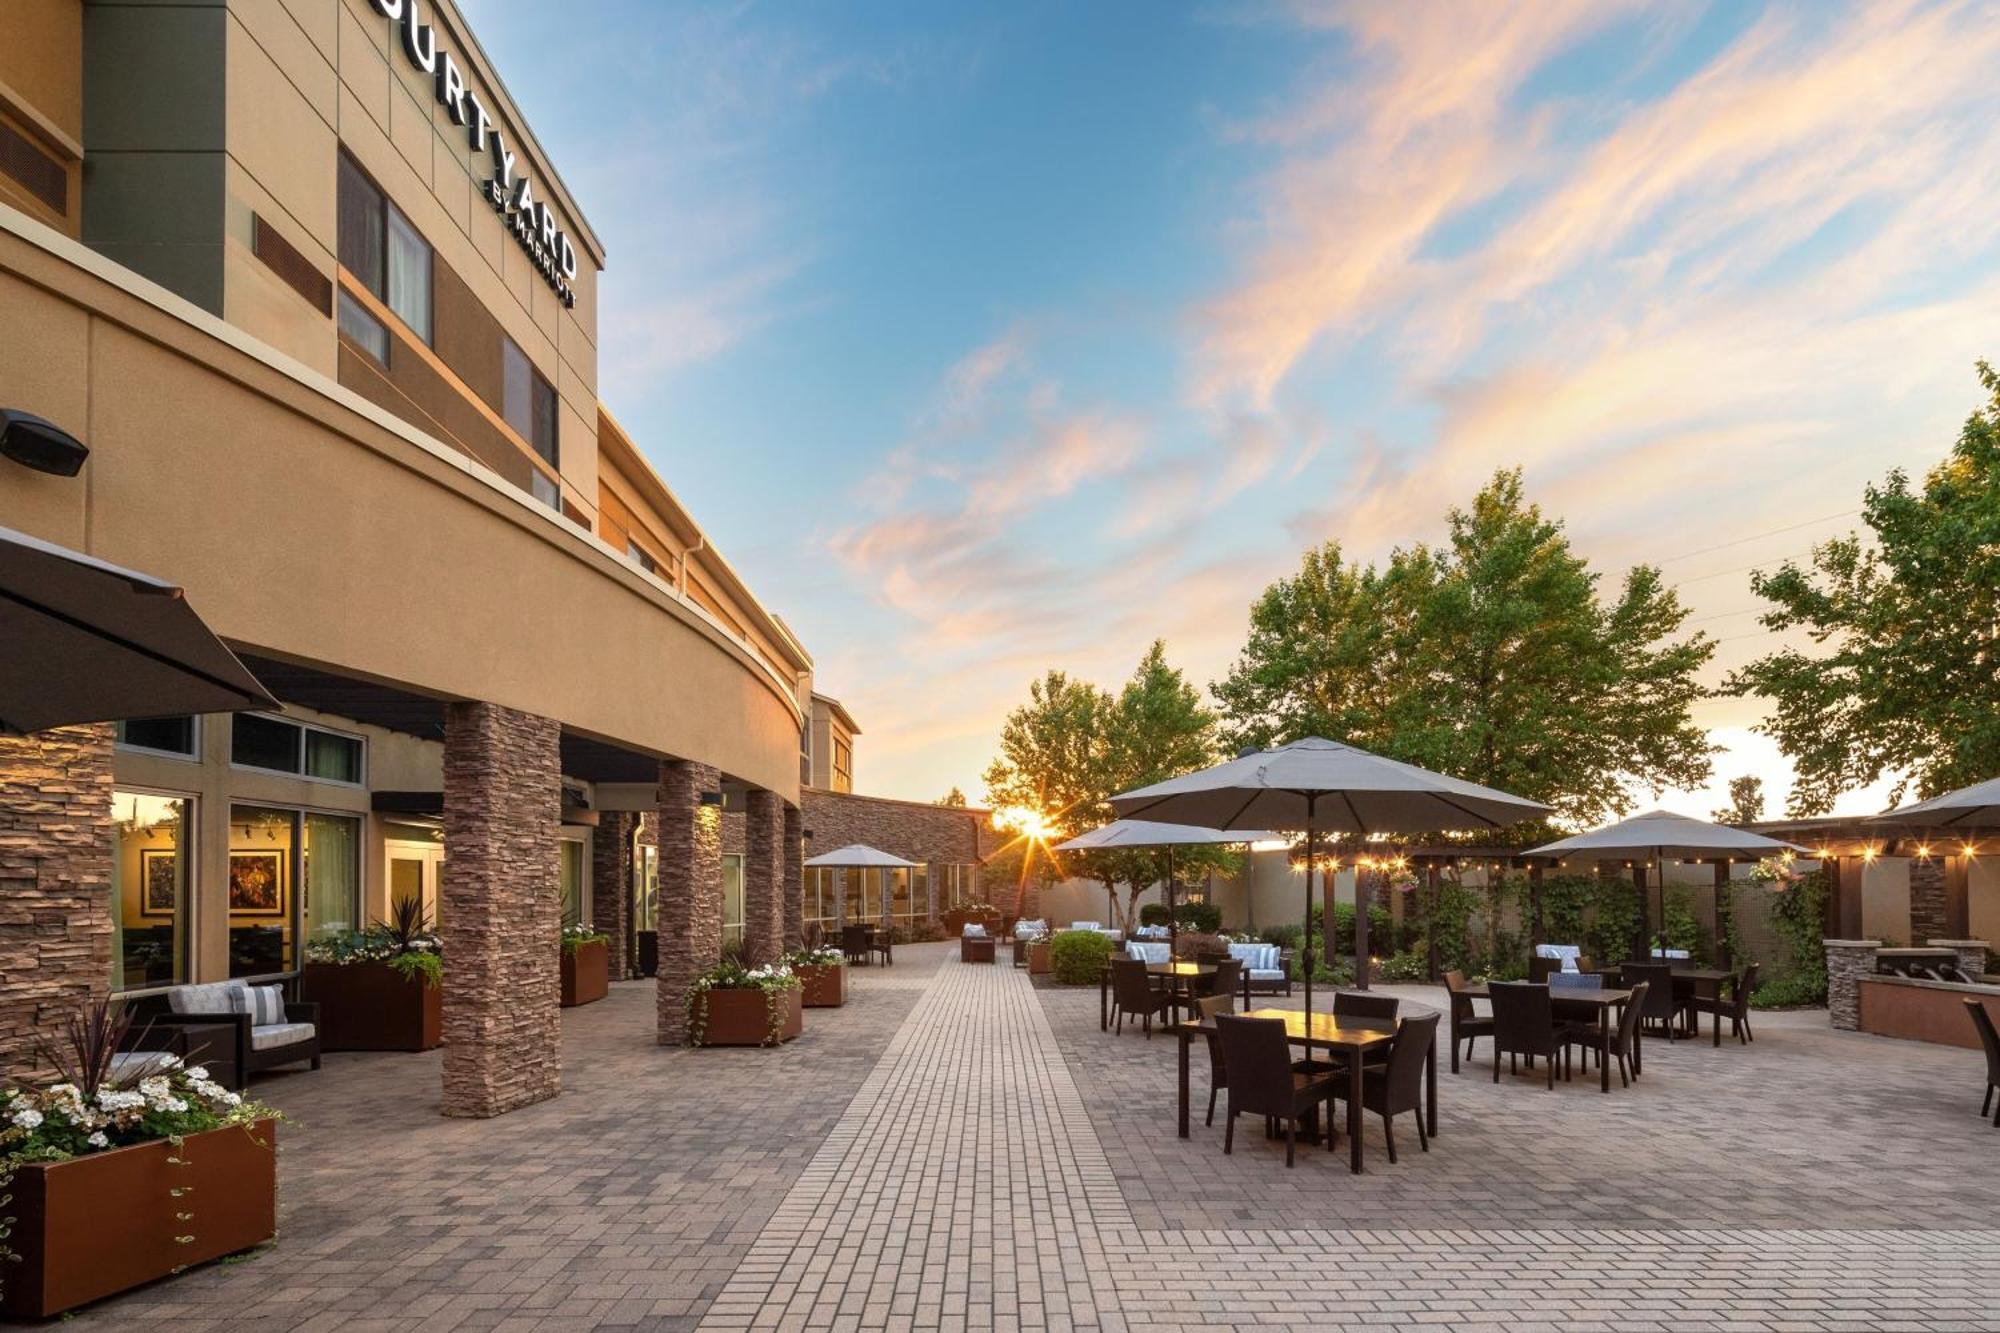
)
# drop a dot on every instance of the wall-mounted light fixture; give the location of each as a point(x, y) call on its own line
point(711, 798)
point(41, 445)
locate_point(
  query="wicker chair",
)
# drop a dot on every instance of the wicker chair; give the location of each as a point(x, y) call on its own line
point(1990, 1039)
point(1615, 1044)
point(1661, 1009)
point(1391, 1089)
point(1524, 1023)
point(1360, 1004)
point(1467, 1023)
point(1735, 1008)
point(1228, 978)
point(1540, 969)
point(1262, 1081)
point(854, 944)
point(1218, 1073)
point(1133, 994)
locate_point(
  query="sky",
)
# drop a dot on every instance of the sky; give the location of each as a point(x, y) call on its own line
point(985, 339)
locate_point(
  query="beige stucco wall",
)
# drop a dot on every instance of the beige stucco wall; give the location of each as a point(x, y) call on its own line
point(1983, 900)
point(1885, 901)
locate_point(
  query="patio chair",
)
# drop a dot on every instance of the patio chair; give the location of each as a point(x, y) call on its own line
point(1541, 969)
point(1258, 1055)
point(1133, 994)
point(1524, 1023)
point(1267, 966)
point(1990, 1039)
point(1397, 1087)
point(1467, 1023)
point(882, 941)
point(1615, 1044)
point(854, 944)
point(1208, 1006)
point(1360, 1004)
point(1661, 1009)
point(1227, 979)
point(247, 1028)
point(1735, 1007)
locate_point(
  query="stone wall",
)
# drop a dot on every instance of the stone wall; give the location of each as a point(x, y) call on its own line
point(55, 881)
point(794, 877)
point(1927, 917)
point(500, 910)
point(611, 888)
point(910, 829)
point(1847, 961)
point(763, 869)
point(1972, 954)
point(690, 841)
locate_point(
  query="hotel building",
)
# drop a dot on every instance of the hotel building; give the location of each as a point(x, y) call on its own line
point(301, 277)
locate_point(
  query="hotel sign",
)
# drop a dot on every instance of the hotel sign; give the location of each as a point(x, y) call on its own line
point(511, 192)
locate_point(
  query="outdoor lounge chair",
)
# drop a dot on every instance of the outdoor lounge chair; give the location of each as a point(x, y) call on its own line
point(1266, 967)
point(1146, 951)
point(1258, 1056)
point(1467, 1023)
point(1397, 1086)
point(1735, 1007)
point(1990, 1039)
point(1524, 1023)
point(1133, 994)
point(1615, 1044)
point(248, 1029)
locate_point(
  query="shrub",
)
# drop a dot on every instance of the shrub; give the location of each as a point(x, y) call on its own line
point(1401, 967)
point(1205, 918)
point(575, 937)
point(1152, 914)
point(1076, 957)
point(1287, 936)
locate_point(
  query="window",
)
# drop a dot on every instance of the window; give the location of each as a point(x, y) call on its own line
point(571, 878)
point(805, 756)
point(168, 735)
point(384, 252)
point(843, 765)
point(545, 490)
point(363, 329)
point(151, 873)
point(899, 888)
point(279, 746)
point(641, 557)
point(262, 901)
point(920, 892)
point(331, 902)
point(646, 889)
point(528, 402)
point(732, 901)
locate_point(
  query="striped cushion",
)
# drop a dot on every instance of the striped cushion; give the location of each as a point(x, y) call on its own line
point(1147, 953)
point(214, 997)
point(1256, 957)
point(264, 1004)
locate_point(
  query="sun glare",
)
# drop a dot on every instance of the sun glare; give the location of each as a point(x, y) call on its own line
point(1029, 823)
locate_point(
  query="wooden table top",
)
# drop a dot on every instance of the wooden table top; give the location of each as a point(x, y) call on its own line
point(1599, 995)
point(1327, 1029)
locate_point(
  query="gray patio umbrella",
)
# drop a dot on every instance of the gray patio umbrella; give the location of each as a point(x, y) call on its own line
point(1660, 834)
point(1136, 833)
point(1977, 806)
point(86, 641)
point(1321, 786)
point(859, 856)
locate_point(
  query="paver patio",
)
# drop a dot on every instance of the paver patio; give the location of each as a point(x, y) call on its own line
point(958, 1149)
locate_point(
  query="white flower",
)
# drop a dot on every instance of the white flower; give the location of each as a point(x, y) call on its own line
point(199, 1073)
point(153, 1088)
point(175, 1104)
point(98, 1140)
point(27, 1117)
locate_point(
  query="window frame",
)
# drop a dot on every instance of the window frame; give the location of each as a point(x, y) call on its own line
point(388, 212)
point(300, 751)
point(188, 847)
point(190, 756)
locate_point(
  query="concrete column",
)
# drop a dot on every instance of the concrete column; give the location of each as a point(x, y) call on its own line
point(1847, 961)
point(791, 889)
point(1927, 898)
point(763, 873)
point(55, 881)
point(611, 864)
point(500, 910)
point(690, 839)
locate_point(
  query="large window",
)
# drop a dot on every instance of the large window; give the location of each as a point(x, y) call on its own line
point(164, 735)
point(854, 895)
point(843, 765)
point(151, 874)
point(295, 747)
point(820, 906)
point(331, 873)
point(732, 902)
point(262, 889)
point(381, 249)
point(572, 880)
point(646, 889)
point(898, 883)
point(528, 402)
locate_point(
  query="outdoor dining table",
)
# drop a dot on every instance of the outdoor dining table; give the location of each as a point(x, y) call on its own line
point(1354, 1037)
point(1689, 983)
point(1602, 999)
point(1177, 977)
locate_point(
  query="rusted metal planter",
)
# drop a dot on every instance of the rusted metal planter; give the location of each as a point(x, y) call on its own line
point(373, 1007)
point(743, 1017)
point(1039, 963)
point(95, 1226)
point(825, 984)
point(586, 973)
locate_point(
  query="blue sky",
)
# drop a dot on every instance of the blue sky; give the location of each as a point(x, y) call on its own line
point(985, 339)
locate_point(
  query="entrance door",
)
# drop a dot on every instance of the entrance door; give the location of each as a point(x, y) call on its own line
point(413, 873)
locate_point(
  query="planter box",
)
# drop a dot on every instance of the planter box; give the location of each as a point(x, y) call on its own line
point(1038, 958)
point(586, 973)
point(825, 985)
point(743, 1018)
point(95, 1226)
point(373, 1007)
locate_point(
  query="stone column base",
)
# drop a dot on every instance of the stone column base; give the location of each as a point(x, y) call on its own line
point(1847, 961)
point(1972, 954)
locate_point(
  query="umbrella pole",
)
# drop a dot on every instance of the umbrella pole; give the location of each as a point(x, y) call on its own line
point(1173, 922)
point(1311, 802)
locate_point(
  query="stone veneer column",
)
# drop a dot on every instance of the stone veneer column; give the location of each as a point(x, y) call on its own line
point(690, 840)
point(1926, 898)
point(763, 870)
point(611, 887)
point(55, 881)
point(500, 910)
point(931, 871)
point(792, 887)
point(1972, 954)
point(1847, 961)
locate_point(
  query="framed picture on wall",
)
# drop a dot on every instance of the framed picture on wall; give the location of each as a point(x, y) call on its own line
point(159, 881)
point(257, 883)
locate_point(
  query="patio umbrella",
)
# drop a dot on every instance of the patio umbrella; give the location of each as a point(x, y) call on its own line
point(1321, 786)
point(860, 856)
point(1660, 834)
point(1135, 833)
point(1977, 806)
point(86, 641)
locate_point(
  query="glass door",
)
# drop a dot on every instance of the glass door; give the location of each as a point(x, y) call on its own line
point(414, 869)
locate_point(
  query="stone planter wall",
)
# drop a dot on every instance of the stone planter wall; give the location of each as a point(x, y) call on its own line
point(1847, 961)
point(1972, 954)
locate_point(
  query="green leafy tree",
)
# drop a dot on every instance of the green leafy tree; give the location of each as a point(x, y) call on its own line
point(1055, 760)
point(1903, 675)
point(1746, 801)
point(1492, 657)
point(954, 799)
point(1159, 729)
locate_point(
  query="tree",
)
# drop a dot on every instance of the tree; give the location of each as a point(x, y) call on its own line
point(1490, 658)
point(1903, 676)
point(1053, 761)
point(1746, 801)
point(955, 799)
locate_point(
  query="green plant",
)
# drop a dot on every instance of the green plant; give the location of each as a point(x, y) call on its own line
point(575, 937)
point(1076, 957)
point(1402, 967)
point(1202, 918)
point(1680, 929)
point(1798, 917)
point(1153, 914)
point(823, 955)
point(405, 931)
point(1287, 935)
point(425, 967)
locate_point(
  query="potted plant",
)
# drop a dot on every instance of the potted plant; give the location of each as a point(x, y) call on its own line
point(586, 965)
point(111, 1184)
point(822, 973)
point(735, 1004)
point(378, 989)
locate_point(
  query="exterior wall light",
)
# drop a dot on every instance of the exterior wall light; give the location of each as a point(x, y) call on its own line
point(711, 798)
point(41, 445)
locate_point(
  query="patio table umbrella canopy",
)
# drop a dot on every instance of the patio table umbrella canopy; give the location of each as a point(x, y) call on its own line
point(860, 856)
point(1122, 834)
point(1322, 786)
point(86, 641)
point(1977, 806)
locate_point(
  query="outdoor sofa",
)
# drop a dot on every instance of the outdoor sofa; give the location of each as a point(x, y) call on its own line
point(231, 1027)
point(1266, 968)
